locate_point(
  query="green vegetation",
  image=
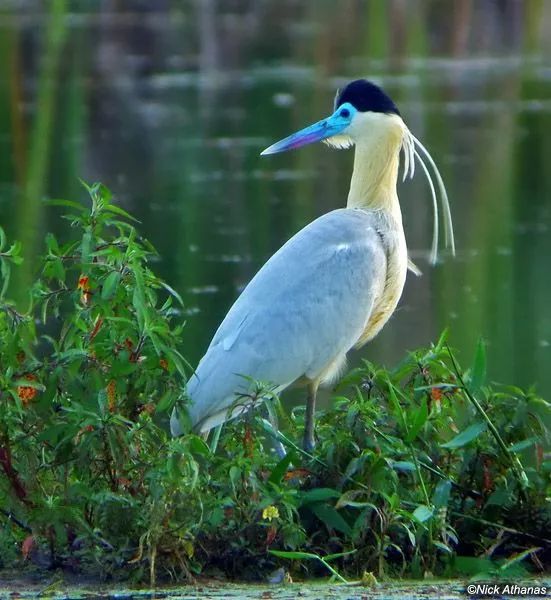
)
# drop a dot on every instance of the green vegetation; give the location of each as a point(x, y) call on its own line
point(421, 470)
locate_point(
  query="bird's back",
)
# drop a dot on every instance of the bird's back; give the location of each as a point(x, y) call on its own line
point(305, 308)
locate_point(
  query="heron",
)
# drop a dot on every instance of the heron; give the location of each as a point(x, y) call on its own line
point(331, 287)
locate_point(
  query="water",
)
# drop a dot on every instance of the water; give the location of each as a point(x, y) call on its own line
point(170, 107)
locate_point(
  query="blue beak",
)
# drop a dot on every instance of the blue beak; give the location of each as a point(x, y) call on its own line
point(317, 132)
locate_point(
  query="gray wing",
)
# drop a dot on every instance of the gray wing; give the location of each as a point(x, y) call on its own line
point(303, 310)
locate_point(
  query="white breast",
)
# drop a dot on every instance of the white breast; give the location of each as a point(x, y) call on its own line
point(392, 235)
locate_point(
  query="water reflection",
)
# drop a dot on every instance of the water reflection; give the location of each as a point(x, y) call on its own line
point(170, 104)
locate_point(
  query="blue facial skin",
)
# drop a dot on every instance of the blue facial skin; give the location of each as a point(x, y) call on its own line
point(317, 132)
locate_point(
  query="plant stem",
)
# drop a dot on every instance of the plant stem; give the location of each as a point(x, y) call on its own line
point(513, 461)
point(334, 571)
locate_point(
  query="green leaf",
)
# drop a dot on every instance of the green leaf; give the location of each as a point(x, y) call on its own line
point(329, 557)
point(173, 466)
point(294, 555)
point(165, 402)
point(235, 475)
point(68, 203)
point(478, 370)
point(14, 251)
point(318, 495)
point(355, 465)
point(172, 292)
point(198, 446)
point(441, 494)
point(331, 518)
point(216, 517)
point(110, 285)
point(410, 534)
point(522, 445)
point(403, 465)
point(438, 386)
point(51, 243)
point(349, 499)
point(281, 468)
point(501, 497)
point(442, 546)
point(72, 353)
point(466, 436)
point(139, 298)
point(5, 270)
point(441, 341)
point(182, 415)
point(86, 247)
point(396, 406)
point(517, 558)
point(417, 420)
point(56, 432)
point(112, 208)
point(423, 513)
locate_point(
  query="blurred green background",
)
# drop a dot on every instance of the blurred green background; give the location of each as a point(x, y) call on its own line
point(169, 104)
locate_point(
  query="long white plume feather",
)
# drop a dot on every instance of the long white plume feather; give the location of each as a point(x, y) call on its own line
point(405, 148)
point(449, 239)
point(410, 154)
point(435, 227)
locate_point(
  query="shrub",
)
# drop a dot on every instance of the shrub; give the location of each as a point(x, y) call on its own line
point(419, 470)
point(84, 374)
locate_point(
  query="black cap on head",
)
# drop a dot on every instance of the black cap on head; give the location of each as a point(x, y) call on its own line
point(366, 96)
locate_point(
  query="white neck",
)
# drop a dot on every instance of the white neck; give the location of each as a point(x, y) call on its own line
point(376, 161)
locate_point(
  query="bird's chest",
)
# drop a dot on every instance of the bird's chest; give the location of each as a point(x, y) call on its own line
point(386, 301)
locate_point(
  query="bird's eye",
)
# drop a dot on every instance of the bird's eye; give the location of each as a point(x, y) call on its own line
point(345, 113)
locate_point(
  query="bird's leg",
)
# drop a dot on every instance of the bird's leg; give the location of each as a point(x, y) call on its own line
point(309, 442)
